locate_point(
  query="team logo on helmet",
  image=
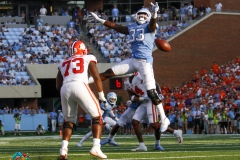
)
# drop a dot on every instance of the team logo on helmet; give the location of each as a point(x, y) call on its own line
point(78, 48)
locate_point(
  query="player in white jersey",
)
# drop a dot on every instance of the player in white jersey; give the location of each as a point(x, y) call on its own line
point(109, 119)
point(72, 82)
point(142, 35)
point(141, 108)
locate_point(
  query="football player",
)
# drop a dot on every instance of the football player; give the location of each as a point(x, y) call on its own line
point(142, 35)
point(109, 119)
point(72, 82)
point(140, 109)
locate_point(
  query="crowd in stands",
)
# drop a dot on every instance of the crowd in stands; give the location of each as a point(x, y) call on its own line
point(22, 110)
point(41, 45)
point(209, 103)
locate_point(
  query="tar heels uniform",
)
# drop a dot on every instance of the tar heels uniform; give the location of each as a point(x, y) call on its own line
point(108, 116)
point(142, 40)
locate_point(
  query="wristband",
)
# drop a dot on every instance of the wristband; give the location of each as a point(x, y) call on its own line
point(154, 15)
point(101, 95)
point(101, 20)
point(132, 98)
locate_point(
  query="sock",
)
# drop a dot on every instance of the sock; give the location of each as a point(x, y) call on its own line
point(89, 134)
point(157, 141)
point(162, 113)
point(64, 144)
point(174, 132)
point(96, 142)
point(111, 136)
point(141, 144)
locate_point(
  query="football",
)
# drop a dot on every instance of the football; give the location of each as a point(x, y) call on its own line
point(162, 45)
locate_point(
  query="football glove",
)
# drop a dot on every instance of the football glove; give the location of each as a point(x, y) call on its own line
point(155, 9)
point(95, 16)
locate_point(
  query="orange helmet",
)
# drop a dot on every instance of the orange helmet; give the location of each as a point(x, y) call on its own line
point(78, 48)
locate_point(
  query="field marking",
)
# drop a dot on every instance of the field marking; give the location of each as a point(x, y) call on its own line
point(188, 157)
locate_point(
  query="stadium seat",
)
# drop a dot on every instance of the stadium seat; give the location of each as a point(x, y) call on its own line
point(106, 53)
point(112, 60)
point(118, 59)
point(23, 73)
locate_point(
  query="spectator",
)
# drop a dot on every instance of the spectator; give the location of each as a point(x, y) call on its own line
point(218, 6)
point(43, 11)
point(77, 26)
point(1, 128)
point(165, 16)
point(60, 120)
point(201, 10)
point(115, 13)
point(65, 13)
point(17, 118)
point(208, 10)
point(71, 25)
point(40, 130)
point(53, 117)
point(75, 13)
point(39, 23)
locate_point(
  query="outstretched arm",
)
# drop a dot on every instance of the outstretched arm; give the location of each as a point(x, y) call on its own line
point(153, 21)
point(116, 27)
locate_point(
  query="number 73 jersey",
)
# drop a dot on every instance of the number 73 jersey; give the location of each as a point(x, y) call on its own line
point(75, 68)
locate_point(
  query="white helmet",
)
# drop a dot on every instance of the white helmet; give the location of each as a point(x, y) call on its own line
point(111, 97)
point(143, 15)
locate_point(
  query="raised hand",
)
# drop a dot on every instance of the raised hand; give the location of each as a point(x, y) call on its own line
point(95, 16)
point(155, 7)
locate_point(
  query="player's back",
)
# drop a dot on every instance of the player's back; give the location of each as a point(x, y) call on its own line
point(138, 86)
point(75, 68)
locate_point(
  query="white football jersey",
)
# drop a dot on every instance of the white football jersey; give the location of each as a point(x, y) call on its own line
point(136, 86)
point(75, 68)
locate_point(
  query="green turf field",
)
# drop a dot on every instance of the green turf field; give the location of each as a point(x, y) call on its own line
point(204, 147)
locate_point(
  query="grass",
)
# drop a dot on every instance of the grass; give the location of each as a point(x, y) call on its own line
point(201, 147)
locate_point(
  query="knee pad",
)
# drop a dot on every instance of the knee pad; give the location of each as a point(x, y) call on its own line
point(135, 123)
point(153, 95)
point(66, 125)
point(97, 120)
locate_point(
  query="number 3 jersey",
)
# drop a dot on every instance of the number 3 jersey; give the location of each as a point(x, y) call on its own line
point(75, 68)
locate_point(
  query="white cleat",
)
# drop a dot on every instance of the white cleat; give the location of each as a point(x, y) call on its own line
point(140, 149)
point(96, 151)
point(63, 154)
point(79, 145)
point(178, 134)
point(164, 124)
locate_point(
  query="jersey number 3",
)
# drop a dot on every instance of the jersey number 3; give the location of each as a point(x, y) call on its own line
point(76, 70)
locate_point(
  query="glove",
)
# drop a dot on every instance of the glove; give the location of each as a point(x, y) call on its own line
point(101, 97)
point(155, 8)
point(95, 16)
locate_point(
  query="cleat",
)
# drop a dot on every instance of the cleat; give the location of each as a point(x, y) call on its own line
point(113, 143)
point(164, 124)
point(79, 145)
point(96, 151)
point(63, 154)
point(158, 147)
point(105, 141)
point(140, 149)
point(178, 134)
